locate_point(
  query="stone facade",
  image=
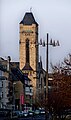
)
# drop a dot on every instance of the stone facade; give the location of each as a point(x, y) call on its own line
point(29, 32)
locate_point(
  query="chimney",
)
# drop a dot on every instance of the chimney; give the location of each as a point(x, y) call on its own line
point(8, 62)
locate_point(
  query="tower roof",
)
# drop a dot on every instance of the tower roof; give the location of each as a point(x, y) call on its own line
point(28, 19)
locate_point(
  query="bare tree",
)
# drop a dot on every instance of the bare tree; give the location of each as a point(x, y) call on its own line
point(61, 89)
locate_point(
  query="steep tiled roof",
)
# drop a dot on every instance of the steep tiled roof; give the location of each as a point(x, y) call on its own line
point(27, 67)
point(14, 64)
point(19, 74)
point(28, 19)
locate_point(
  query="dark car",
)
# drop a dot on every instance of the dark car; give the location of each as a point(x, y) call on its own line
point(42, 111)
point(31, 113)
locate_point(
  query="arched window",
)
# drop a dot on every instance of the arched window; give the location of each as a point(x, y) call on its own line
point(27, 51)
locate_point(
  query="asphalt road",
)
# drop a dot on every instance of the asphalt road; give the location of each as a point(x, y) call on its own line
point(37, 117)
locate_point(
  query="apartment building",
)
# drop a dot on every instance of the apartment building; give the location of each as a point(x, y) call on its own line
point(3, 90)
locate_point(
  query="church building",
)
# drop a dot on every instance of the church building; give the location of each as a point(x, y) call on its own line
point(28, 48)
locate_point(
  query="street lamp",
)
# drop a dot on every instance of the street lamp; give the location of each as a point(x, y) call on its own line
point(54, 44)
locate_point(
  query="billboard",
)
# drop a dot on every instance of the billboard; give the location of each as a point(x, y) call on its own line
point(22, 99)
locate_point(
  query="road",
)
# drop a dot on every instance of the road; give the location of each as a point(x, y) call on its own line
point(37, 117)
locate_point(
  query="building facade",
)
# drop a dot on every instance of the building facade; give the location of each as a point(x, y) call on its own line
point(29, 48)
point(4, 99)
point(41, 85)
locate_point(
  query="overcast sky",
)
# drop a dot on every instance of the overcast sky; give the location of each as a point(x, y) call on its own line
point(53, 17)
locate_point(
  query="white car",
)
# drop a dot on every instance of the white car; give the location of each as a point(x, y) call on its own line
point(68, 117)
point(42, 111)
point(37, 112)
point(25, 113)
point(31, 113)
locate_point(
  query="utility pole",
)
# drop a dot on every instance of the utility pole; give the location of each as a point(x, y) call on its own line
point(46, 97)
point(47, 69)
point(54, 44)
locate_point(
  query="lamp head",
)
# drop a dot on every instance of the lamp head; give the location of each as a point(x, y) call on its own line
point(43, 44)
point(54, 44)
point(40, 41)
point(51, 42)
point(57, 43)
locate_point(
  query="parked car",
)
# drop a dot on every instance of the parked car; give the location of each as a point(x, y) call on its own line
point(5, 113)
point(25, 113)
point(31, 113)
point(13, 116)
point(19, 113)
point(36, 112)
point(42, 111)
point(68, 117)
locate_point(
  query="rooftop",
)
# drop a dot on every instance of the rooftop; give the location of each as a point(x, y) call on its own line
point(28, 19)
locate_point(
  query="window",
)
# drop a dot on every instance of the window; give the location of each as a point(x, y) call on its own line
point(2, 83)
point(2, 94)
point(1, 73)
point(27, 51)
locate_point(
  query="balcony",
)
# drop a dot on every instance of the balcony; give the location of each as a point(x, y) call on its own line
point(29, 93)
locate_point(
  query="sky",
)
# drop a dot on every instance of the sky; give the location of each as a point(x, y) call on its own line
point(53, 17)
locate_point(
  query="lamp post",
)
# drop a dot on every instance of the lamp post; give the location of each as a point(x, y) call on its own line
point(54, 44)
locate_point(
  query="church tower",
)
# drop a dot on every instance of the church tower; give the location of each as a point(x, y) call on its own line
point(28, 48)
